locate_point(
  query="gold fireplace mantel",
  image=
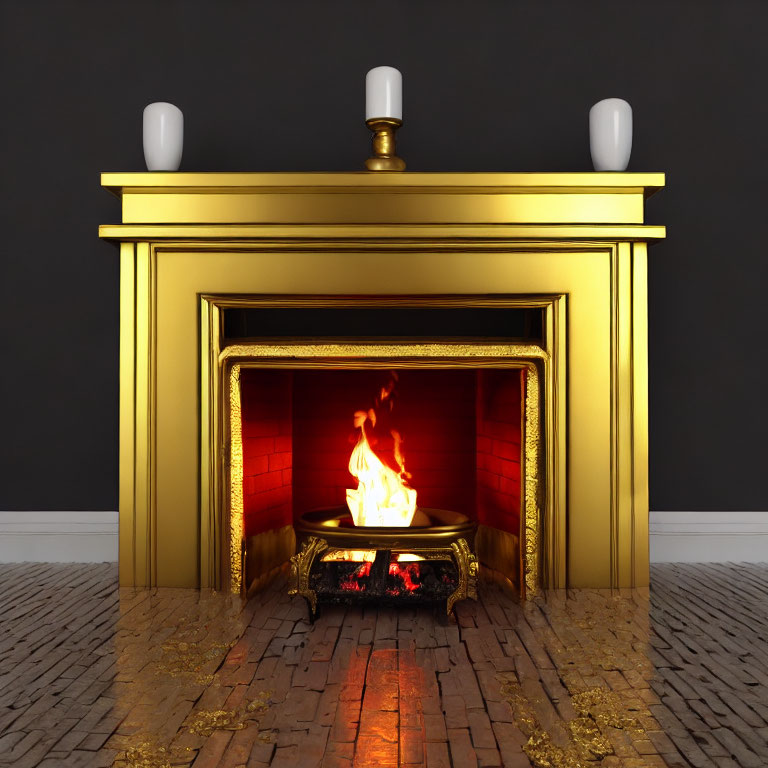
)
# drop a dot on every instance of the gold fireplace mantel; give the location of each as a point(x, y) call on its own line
point(574, 244)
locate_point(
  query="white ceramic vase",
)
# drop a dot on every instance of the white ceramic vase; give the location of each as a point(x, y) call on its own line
point(610, 134)
point(163, 136)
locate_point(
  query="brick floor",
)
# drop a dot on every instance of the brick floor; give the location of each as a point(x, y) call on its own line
point(95, 676)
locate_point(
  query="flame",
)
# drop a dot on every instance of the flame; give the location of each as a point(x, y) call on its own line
point(349, 556)
point(382, 496)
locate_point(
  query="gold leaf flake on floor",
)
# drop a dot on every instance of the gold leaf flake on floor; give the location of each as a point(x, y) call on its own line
point(204, 722)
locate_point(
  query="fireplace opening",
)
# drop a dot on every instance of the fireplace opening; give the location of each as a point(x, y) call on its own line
point(452, 437)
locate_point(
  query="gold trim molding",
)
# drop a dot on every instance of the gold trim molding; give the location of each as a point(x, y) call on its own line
point(233, 469)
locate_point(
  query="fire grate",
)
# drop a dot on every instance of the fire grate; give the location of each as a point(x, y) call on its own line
point(386, 577)
point(341, 563)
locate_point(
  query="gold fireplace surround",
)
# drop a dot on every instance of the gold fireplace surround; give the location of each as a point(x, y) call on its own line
point(572, 245)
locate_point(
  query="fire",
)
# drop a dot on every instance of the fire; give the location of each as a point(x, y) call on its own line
point(405, 573)
point(407, 576)
point(382, 496)
point(352, 582)
point(349, 556)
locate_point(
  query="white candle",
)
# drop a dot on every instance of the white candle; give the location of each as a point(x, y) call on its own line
point(163, 136)
point(384, 93)
point(610, 134)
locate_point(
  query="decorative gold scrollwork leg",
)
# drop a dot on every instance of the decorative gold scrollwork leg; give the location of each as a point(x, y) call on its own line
point(301, 563)
point(466, 562)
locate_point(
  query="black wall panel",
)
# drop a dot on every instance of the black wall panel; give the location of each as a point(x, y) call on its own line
point(278, 85)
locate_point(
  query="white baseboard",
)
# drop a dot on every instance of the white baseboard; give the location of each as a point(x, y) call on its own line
point(58, 537)
point(707, 537)
point(675, 537)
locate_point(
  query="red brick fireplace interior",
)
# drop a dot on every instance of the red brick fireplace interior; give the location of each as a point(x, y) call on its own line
point(461, 433)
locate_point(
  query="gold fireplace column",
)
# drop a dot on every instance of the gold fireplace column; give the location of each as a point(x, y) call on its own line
point(575, 244)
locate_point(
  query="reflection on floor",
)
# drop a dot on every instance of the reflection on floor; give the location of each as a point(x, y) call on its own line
point(93, 677)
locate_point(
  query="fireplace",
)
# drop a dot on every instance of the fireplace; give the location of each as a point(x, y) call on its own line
point(261, 312)
point(439, 429)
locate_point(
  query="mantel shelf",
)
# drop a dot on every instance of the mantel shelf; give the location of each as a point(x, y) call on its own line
point(371, 199)
point(118, 182)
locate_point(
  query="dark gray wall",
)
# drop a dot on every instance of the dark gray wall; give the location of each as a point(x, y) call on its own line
point(278, 85)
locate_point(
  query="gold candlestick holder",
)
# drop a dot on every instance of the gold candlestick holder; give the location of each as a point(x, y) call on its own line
point(384, 150)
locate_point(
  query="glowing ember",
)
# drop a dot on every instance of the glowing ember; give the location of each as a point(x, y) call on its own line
point(406, 574)
point(382, 496)
point(352, 582)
